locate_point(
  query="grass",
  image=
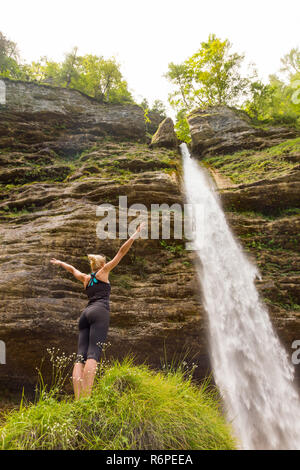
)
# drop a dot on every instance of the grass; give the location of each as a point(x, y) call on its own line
point(248, 166)
point(289, 212)
point(99, 160)
point(131, 407)
point(175, 248)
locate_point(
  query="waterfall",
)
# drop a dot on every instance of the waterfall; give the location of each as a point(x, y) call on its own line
point(250, 366)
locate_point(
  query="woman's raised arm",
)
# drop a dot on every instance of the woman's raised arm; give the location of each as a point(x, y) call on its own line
point(68, 267)
point(123, 250)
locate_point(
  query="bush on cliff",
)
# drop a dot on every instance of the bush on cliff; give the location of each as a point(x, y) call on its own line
point(131, 408)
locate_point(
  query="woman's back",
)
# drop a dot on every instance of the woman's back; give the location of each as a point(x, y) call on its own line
point(98, 290)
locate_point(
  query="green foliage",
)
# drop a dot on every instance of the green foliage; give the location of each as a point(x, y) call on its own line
point(211, 76)
point(101, 78)
point(9, 57)
point(93, 75)
point(291, 62)
point(69, 68)
point(181, 127)
point(175, 248)
point(248, 166)
point(159, 107)
point(275, 102)
point(131, 408)
point(279, 100)
point(147, 120)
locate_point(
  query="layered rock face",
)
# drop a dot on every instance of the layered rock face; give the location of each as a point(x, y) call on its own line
point(220, 129)
point(61, 155)
point(55, 170)
point(260, 192)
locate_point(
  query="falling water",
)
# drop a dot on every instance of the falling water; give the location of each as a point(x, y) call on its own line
point(251, 368)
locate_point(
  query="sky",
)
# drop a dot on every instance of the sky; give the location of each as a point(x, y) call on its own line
point(145, 36)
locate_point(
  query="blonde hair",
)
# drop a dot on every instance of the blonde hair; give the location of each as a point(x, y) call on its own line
point(96, 261)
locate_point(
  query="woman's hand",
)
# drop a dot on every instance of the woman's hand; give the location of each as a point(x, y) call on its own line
point(55, 261)
point(138, 230)
point(141, 226)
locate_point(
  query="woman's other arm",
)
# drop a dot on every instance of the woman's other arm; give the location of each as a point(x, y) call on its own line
point(68, 267)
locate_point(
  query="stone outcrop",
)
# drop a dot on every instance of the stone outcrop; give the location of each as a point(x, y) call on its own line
point(65, 120)
point(221, 130)
point(165, 135)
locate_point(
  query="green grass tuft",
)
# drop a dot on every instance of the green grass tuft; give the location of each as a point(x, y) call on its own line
point(248, 166)
point(131, 407)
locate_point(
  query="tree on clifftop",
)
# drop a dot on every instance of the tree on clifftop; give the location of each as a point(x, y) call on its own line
point(9, 57)
point(102, 79)
point(211, 76)
point(279, 100)
point(93, 75)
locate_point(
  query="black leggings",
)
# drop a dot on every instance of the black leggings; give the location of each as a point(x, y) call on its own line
point(93, 328)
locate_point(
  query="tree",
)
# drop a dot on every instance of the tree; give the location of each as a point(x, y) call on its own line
point(145, 104)
point(182, 96)
point(69, 68)
point(291, 62)
point(211, 76)
point(9, 57)
point(42, 71)
point(181, 126)
point(101, 78)
point(261, 99)
point(97, 77)
point(278, 101)
point(159, 107)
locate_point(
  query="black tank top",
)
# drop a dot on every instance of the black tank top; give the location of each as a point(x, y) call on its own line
point(98, 290)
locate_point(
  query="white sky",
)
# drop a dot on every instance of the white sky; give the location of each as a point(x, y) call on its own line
point(146, 35)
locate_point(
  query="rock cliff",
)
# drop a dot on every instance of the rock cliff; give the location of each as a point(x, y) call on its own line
point(61, 155)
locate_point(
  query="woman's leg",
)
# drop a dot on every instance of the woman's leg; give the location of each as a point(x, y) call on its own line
point(77, 377)
point(83, 344)
point(89, 373)
point(98, 316)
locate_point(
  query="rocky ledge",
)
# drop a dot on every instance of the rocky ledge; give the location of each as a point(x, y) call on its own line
point(42, 118)
point(220, 130)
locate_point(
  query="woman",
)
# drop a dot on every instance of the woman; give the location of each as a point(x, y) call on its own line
point(94, 320)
